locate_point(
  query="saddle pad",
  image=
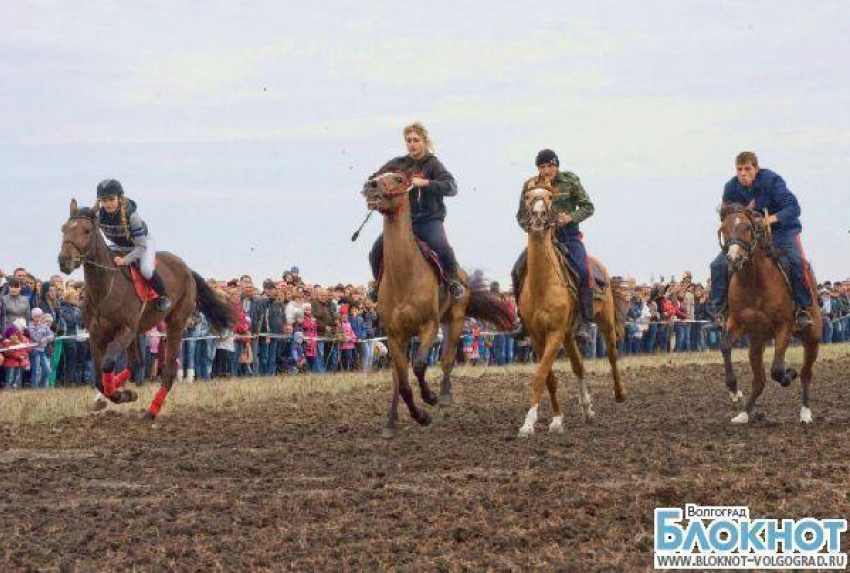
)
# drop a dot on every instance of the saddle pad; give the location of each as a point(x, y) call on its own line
point(144, 290)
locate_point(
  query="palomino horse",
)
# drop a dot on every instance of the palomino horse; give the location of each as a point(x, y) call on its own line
point(548, 308)
point(411, 302)
point(114, 315)
point(760, 306)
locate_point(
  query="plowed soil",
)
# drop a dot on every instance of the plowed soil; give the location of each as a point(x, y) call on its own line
point(309, 484)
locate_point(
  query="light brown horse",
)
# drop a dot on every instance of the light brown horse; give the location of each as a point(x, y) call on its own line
point(114, 315)
point(548, 308)
point(760, 306)
point(412, 303)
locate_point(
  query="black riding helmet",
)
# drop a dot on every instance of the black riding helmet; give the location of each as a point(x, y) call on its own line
point(109, 187)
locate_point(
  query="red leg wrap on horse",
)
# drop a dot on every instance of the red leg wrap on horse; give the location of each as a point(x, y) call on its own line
point(121, 378)
point(156, 404)
point(108, 381)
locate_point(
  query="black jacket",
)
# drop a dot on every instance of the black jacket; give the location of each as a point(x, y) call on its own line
point(426, 204)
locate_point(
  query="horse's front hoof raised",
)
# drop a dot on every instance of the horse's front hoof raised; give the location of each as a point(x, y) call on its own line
point(806, 416)
point(742, 418)
point(445, 400)
point(424, 418)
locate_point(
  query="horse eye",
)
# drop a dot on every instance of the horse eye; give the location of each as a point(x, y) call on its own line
point(88, 231)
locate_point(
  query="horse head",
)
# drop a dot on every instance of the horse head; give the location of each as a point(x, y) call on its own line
point(385, 192)
point(741, 231)
point(538, 199)
point(78, 236)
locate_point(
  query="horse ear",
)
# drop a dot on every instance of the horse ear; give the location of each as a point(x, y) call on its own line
point(73, 207)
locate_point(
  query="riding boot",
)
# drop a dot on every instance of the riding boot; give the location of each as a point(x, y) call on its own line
point(584, 333)
point(520, 331)
point(163, 304)
point(372, 292)
point(456, 288)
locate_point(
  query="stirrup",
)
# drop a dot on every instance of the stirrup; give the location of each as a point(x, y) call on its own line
point(802, 319)
point(583, 332)
point(163, 304)
point(456, 289)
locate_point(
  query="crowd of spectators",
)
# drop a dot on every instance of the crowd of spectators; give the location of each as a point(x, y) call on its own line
point(287, 327)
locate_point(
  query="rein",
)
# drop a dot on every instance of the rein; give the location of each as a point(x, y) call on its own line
point(761, 233)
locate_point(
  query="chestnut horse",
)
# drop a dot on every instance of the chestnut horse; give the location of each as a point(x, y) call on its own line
point(115, 316)
point(760, 306)
point(411, 302)
point(548, 307)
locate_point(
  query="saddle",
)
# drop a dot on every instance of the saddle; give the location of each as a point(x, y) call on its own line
point(783, 264)
point(600, 281)
point(144, 290)
point(431, 257)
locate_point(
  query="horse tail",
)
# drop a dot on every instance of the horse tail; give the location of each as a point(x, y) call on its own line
point(621, 306)
point(485, 305)
point(220, 314)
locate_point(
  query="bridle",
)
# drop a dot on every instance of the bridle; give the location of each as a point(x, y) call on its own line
point(387, 186)
point(531, 216)
point(87, 257)
point(760, 233)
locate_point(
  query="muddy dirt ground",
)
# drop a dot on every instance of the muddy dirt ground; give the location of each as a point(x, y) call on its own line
point(309, 484)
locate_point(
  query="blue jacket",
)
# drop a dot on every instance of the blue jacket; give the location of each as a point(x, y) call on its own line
point(770, 192)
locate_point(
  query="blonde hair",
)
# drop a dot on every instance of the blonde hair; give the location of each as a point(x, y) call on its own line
point(422, 131)
point(122, 207)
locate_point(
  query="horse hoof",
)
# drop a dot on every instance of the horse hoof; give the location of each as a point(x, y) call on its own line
point(430, 398)
point(589, 417)
point(424, 419)
point(98, 405)
point(792, 374)
point(557, 426)
point(388, 433)
point(742, 418)
point(525, 431)
point(736, 396)
point(445, 400)
point(619, 397)
point(805, 415)
point(148, 417)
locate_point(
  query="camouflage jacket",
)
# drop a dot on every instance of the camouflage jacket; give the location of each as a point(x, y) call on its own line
point(572, 200)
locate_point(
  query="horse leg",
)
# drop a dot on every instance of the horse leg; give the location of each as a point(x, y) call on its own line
point(451, 334)
point(759, 378)
point(610, 336)
point(779, 371)
point(399, 357)
point(557, 425)
point(111, 381)
point(96, 350)
point(547, 350)
point(392, 415)
point(173, 343)
point(577, 364)
point(727, 339)
point(810, 354)
point(427, 335)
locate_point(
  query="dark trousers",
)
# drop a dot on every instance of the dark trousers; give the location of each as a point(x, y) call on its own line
point(433, 233)
point(573, 249)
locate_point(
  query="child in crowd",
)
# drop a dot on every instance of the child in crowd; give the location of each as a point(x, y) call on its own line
point(311, 332)
point(41, 334)
point(15, 361)
point(155, 337)
point(299, 359)
point(347, 341)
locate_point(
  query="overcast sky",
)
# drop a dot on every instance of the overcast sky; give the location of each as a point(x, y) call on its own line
point(245, 130)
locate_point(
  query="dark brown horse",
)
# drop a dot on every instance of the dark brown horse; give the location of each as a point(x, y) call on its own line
point(760, 306)
point(115, 316)
point(412, 303)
